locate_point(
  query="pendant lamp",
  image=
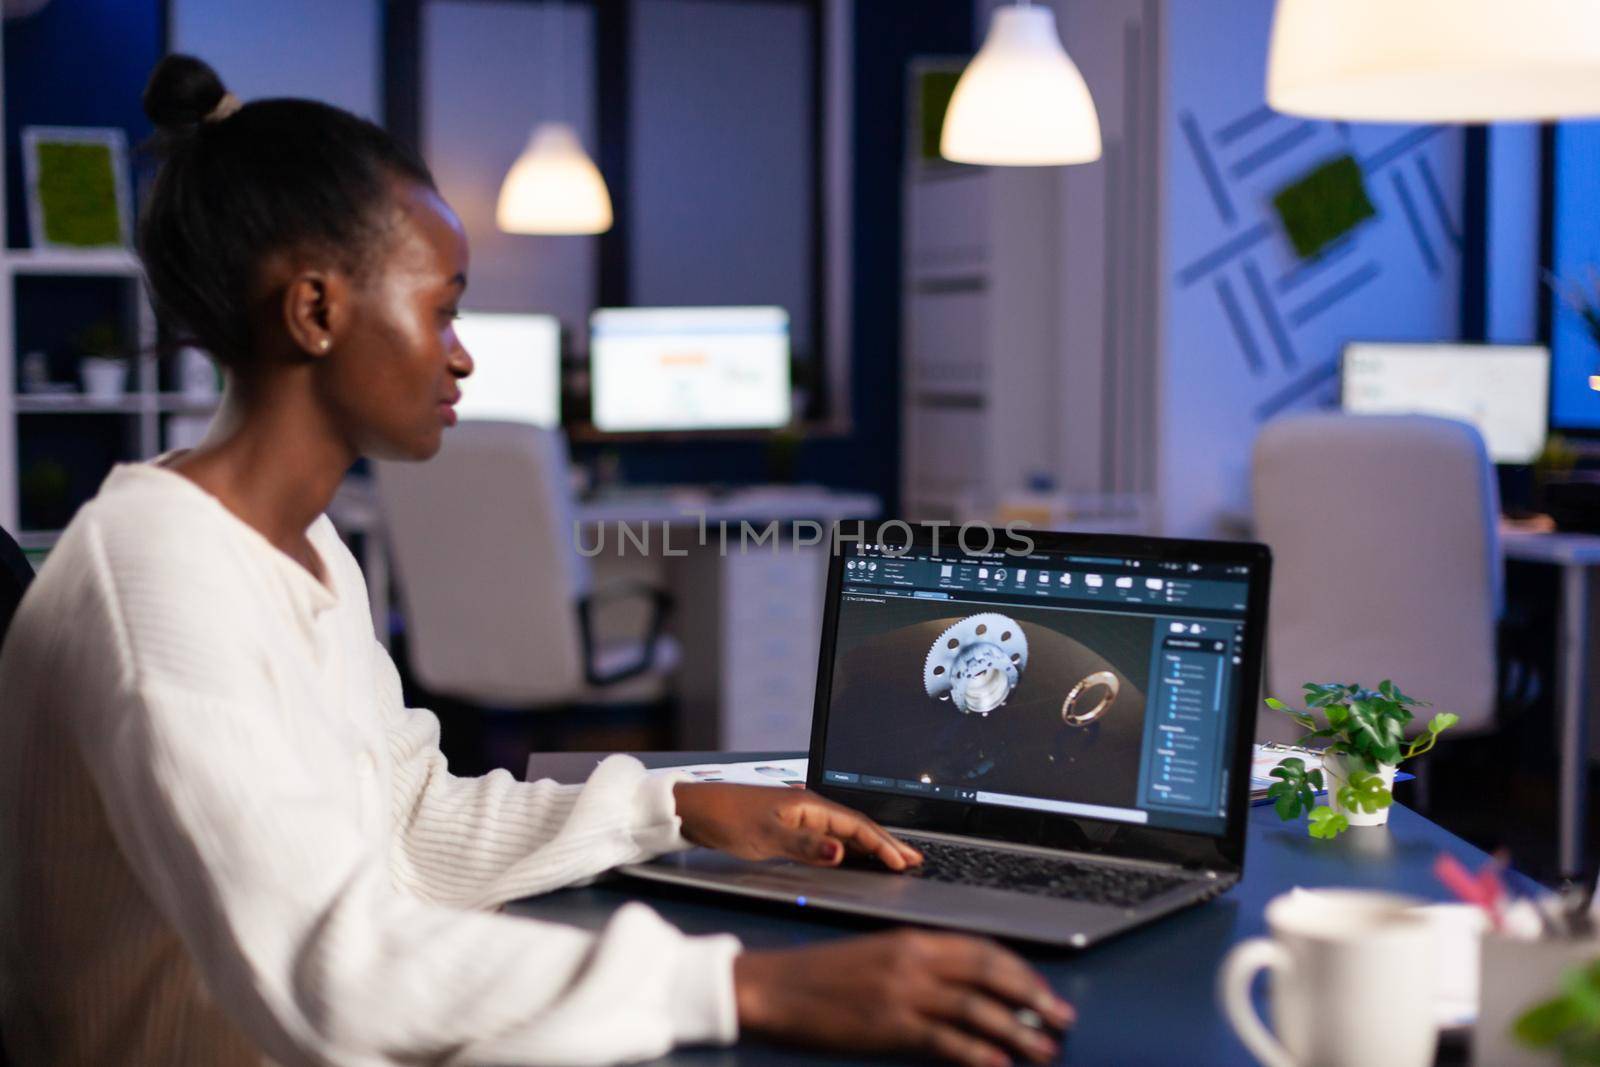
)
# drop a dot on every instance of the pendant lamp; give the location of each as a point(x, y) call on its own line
point(1435, 60)
point(1021, 101)
point(554, 187)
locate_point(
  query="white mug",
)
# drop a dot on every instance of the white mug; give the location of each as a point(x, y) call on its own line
point(1352, 982)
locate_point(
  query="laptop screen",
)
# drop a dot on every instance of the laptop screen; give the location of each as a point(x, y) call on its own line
point(1103, 687)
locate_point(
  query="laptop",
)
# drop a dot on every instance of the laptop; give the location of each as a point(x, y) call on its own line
point(1061, 723)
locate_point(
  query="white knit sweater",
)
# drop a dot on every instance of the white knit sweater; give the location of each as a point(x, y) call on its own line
point(224, 839)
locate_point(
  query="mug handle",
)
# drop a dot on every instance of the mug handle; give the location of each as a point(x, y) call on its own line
point(1239, 970)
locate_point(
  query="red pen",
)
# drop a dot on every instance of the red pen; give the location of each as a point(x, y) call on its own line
point(1483, 890)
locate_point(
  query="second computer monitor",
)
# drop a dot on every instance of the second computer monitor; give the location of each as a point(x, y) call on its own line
point(1503, 390)
point(689, 369)
point(516, 374)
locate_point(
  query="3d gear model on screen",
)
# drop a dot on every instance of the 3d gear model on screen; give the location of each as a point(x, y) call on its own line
point(976, 663)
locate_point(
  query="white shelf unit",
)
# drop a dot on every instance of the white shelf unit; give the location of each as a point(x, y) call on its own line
point(143, 405)
point(1034, 328)
point(980, 354)
point(108, 262)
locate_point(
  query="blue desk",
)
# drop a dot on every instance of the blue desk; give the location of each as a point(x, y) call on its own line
point(1145, 998)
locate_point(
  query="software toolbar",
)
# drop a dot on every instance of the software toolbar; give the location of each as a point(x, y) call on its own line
point(1083, 580)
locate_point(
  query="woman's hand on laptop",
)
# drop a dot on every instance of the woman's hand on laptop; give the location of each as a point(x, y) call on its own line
point(959, 998)
point(758, 823)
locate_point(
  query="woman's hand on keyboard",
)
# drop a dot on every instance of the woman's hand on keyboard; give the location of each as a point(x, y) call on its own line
point(758, 823)
point(958, 998)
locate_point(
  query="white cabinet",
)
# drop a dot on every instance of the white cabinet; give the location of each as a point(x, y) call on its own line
point(142, 405)
point(980, 356)
point(750, 625)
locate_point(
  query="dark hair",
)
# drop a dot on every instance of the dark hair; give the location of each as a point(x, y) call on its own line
point(273, 176)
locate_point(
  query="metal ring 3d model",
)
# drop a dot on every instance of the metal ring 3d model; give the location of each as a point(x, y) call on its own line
point(1069, 710)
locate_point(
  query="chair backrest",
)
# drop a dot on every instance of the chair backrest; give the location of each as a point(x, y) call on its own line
point(1387, 564)
point(483, 542)
point(15, 575)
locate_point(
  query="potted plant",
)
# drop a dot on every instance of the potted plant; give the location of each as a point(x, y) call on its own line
point(1567, 1024)
point(103, 367)
point(1365, 730)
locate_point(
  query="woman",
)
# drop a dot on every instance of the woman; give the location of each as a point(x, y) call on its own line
point(224, 839)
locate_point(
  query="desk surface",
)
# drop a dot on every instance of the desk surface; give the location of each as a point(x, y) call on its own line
point(691, 505)
point(1145, 998)
point(1537, 546)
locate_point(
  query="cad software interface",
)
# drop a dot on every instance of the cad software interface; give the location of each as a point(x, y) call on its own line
point(1097, 687)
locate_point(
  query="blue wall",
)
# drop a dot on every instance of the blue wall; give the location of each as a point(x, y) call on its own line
point(1253, 331)
point(76, 63)
point(1575, 261)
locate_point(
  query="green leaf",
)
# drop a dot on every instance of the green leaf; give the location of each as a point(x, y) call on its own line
point(1290, 794)
point(1364, 728)
point(1365, 792)
point(1320, 696)
point(1542, 1025)
point(1327, 824)
point(1306, 722)
point(1337, 714)
point(1570, 1021)
point(1442, 722)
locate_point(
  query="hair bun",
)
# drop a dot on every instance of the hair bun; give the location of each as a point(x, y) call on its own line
point(182, 91)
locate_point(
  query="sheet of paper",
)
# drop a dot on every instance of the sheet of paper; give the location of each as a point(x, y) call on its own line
point(780, 773)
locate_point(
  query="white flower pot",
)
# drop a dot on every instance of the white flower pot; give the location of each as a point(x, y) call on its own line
point(103, 379)
point(1336, 772)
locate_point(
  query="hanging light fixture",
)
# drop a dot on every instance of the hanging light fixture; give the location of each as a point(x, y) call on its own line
point(1435, 60)
point(554, 187)
point(1021, 101)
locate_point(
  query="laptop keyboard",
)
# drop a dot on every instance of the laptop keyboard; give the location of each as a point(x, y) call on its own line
point(1020, 872)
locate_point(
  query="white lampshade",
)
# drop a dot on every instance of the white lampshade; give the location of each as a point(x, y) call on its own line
point(1021, 101)
point(554, 187)
point(1435, 60)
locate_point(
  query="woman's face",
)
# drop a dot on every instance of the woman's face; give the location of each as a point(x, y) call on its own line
point(392, 378)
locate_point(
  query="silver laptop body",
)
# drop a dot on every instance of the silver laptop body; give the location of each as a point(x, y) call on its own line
point(1062, 726)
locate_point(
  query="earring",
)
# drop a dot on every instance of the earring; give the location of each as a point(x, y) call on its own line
point(322, 345)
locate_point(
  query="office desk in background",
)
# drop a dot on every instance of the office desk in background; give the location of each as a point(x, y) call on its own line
point(748, 612)
point(1575, 554)
point(748, 616)
point(1145, 998)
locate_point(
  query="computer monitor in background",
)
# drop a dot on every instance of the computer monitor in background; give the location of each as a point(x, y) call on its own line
point(689, 369)
point(1503, 390)
point(516, 373)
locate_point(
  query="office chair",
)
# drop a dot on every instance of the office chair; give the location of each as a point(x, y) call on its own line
point(501, 609)
point(1387, 564)
point(15, 575)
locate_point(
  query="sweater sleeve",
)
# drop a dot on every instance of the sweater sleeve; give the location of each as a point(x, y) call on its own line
point(237, 811)
point(478, 842)
point(292, 921)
